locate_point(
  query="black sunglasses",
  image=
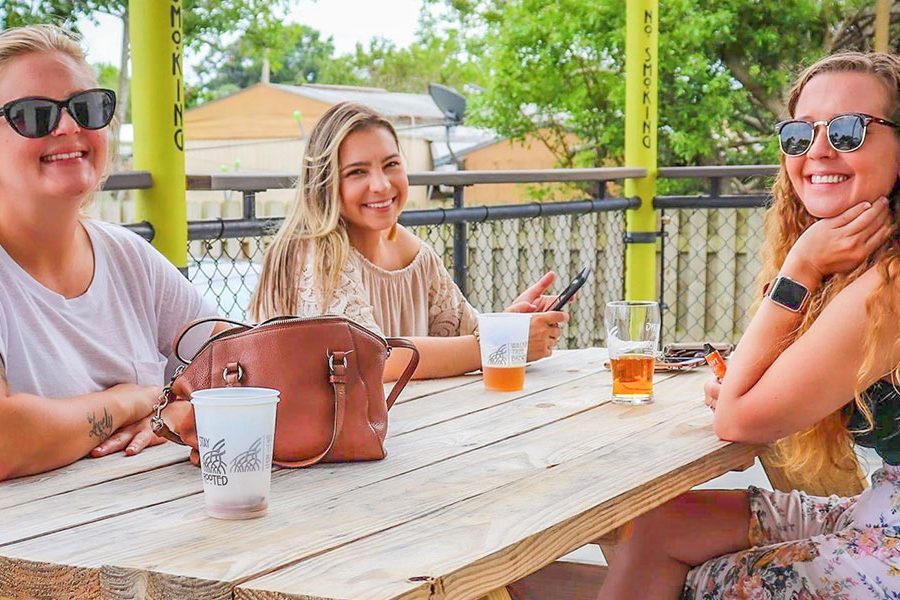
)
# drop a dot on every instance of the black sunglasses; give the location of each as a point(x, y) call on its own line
point(35, 117)
point(846, 133)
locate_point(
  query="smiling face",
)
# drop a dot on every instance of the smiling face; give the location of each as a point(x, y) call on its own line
point(829, 182)
point(65, 166)
point(373, 182)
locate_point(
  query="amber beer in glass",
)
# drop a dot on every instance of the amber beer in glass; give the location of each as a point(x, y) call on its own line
point(632, 334)
point(504, 349)
point(504, 379)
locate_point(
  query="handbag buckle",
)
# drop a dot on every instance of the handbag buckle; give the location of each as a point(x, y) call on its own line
point(232, 368)
point(343, 358)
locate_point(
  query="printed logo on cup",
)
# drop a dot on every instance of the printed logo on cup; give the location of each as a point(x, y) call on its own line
point(250, 460)
point(507, 354)
point(212, 462)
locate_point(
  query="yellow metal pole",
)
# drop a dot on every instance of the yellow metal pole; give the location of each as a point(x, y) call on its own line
point(882, 25)
point(157, 110)
point(641, 120)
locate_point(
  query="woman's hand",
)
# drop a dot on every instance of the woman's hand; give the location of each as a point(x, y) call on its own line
point(545, 329)
point(533, 299)
point(840, 244)
point(711, 393)
point(180, 417)
point(135, 434)
point(544, 333)
point(132, 438)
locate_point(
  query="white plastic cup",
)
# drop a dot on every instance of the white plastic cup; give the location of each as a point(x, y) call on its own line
point(235, 431)
point(504, 349)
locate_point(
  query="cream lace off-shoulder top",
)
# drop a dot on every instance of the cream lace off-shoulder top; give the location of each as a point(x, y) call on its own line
point(418, 300)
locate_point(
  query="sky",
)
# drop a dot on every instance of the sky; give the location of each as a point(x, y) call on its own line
point(396, 20)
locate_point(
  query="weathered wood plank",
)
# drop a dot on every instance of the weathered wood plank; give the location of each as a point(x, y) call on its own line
point(425, 387)
point(28, 579)
point(104, 500)
point(530, 242)
point(86, 473)
point(515, 529)
point(720, 297)
point(506, 263)
point(585, 314)
point(92, 503)
point(481, 266)
point(572, 581)
point(670, 292)
point(301, 499)
point(447, 405)
point(695, 233)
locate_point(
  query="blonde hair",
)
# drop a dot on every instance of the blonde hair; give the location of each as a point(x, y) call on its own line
point(47, 39)
point(811, 456)
point(314, 216)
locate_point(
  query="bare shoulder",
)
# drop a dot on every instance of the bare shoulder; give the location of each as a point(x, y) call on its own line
point(408, 244)
point(867, 301)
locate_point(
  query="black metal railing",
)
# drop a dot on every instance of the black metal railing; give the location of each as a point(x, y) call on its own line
point(708, 243)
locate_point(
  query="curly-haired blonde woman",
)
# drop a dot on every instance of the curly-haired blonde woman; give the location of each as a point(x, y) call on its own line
point(818, 365)
point(341, 251)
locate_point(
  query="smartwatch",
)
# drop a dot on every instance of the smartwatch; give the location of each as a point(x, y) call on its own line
point(788, 293)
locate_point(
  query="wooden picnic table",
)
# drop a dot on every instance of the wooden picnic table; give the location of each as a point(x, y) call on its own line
point(478, 490)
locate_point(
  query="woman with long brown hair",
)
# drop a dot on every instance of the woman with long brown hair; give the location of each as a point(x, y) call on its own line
point(818, 367)
point(341, 251)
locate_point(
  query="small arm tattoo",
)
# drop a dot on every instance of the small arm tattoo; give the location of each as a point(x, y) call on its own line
point(101, 428)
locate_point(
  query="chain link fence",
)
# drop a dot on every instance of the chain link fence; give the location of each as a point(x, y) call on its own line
point(504, 257)
point(226, 272)
point(711, 261)
point(707, 268)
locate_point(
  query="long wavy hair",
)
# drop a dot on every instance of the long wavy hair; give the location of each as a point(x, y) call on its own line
point(315, 216)
point(824, 453)
point(47, 39)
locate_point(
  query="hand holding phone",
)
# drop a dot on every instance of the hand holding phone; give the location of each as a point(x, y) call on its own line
point(570, 290)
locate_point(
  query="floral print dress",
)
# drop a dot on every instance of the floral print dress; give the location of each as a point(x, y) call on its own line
point(806, 547)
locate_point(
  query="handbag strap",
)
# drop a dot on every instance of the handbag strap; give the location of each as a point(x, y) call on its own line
point(407, 372)
point(198, 322)
point(337, 369)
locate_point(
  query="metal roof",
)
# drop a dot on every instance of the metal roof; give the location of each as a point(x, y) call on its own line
point(393, 105)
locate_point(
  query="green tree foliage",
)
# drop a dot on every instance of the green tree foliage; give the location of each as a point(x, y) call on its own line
point(296, 54)
point(724, 67)
point(437, 59)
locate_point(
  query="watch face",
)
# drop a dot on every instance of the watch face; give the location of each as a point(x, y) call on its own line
point(789, 293)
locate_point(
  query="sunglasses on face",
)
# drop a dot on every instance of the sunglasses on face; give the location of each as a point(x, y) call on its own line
point(35, 117)
point(845, 133)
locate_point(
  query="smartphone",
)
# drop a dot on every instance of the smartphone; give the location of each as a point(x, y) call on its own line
point(573, 287)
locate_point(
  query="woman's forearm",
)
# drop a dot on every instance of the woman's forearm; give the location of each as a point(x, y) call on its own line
point(38, 434)
point(438, 357)
point(771, 330)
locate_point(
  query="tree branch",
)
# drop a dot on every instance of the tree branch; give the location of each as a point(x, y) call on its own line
point(773, 105)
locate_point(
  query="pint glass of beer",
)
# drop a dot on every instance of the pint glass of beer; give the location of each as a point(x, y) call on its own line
point(632, 335)
point(504, 348)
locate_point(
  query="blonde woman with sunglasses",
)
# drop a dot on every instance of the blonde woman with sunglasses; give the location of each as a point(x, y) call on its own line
point(818, 366)
point(88, 310)
point(341, 251)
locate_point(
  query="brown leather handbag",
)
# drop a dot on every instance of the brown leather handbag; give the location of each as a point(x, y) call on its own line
point(328, 369)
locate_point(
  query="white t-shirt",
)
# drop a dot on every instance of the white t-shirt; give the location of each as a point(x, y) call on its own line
point(119, 331)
